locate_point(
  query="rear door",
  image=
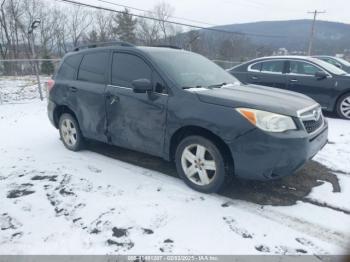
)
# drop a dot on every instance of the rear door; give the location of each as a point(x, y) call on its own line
point(268, 73)
point(88, 93)
point(136, 121)
point(302, 79)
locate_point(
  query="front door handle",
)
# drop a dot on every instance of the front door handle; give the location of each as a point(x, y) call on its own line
point(294, 80)
point(255, 78)
point(73, 89)
point(114, 99)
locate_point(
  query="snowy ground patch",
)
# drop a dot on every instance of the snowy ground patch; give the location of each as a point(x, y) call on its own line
point(16, 89)
point(54, 201)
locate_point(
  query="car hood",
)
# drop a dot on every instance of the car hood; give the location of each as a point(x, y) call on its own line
point(344, 77)
point(256, 97)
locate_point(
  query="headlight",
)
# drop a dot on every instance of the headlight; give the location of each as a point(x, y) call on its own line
point(267, 121)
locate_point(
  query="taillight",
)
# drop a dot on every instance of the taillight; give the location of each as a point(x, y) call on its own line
point(50, 84)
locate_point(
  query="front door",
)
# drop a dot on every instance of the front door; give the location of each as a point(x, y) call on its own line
point(301, 78)
point(136, 121)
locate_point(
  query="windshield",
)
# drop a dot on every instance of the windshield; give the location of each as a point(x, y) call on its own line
point(192, 70)
point(343, 61)
point(329, 67)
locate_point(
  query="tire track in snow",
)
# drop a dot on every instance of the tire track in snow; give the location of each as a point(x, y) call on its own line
point(317, 231)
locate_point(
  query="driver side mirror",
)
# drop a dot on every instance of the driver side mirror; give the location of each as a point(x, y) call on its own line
point(321, 75)
point(142, 86)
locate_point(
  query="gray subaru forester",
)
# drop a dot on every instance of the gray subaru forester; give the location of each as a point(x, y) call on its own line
point(182, 107)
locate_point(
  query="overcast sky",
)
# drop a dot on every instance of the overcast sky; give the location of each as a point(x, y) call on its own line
point(241, 11)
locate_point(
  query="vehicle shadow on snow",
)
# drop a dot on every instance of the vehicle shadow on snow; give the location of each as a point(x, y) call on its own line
point(282, 192)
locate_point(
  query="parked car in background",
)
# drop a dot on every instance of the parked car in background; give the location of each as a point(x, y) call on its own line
point(326, 83)
point(338, 62)
point(182, 107)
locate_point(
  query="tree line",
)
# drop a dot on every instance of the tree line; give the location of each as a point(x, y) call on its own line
point(64, 27)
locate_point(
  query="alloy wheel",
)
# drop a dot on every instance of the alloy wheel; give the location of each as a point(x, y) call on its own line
point(345, 107)
point(69, 132)
point(198, 164)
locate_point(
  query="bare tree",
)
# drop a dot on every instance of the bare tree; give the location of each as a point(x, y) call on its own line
point(163, 11)
point(148, 32)
point(78, 24)
point(158, 30)
point(103, 26)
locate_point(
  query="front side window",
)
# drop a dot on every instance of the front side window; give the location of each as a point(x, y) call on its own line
point(159, 85)
point(93, 67)
point(127, 68)
point(272, 67)
point(303, 68)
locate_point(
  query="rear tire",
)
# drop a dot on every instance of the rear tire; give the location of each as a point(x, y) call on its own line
point(200, 164)
point(70, 132)
point(343, 106)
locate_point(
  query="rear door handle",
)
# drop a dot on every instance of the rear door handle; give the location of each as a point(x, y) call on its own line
point(294, 80)
point(73, 89)
point(254, 78)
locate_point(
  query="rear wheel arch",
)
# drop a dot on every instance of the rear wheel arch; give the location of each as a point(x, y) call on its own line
point(59, 111)
point(186, 131)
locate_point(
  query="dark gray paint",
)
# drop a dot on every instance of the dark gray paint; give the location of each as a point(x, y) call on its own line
point(148, 122)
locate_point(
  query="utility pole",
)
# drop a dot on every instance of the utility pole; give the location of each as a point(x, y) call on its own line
point(194, 38)
point(32, 27)
point(312, 33)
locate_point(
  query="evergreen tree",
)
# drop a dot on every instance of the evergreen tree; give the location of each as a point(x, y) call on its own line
point(47, 67)
point(126, 26)
point(92, 37)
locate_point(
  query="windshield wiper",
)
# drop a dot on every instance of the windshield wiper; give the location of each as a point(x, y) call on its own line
point(217, 85)
point(189, 87)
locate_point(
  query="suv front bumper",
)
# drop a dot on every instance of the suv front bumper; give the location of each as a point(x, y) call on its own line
point(260, 155)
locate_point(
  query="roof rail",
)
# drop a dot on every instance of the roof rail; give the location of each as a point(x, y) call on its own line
point(102, 44)
point(168, 46)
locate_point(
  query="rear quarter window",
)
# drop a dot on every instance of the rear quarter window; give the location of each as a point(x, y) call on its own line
point(69, 67)
point(255, 67)
point(93, 67)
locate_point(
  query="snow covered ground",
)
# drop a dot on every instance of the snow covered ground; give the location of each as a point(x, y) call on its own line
point(53, 201)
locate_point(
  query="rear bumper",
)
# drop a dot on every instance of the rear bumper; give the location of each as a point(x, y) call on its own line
point(260, 155)
point(50, 112)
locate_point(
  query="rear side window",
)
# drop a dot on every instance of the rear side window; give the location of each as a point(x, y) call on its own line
point(69, 67)
point(93, 67)
point(272, 67)
point(127, 68)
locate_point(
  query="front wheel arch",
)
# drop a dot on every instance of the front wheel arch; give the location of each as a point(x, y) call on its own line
point(337, 104)
point(186, 131)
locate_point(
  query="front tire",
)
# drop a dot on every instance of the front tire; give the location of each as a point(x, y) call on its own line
point(70, 133)
point(343, 106)
point(200, 164)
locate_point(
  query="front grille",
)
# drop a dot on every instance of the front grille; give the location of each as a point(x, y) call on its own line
point(312, 119)
point(312, 125)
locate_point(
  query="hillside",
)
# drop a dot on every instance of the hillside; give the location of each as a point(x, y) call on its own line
point(331, 37)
